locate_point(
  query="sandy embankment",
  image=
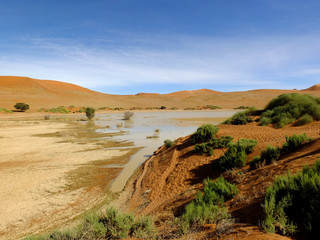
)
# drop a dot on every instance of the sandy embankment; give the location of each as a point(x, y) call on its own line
point(38, 168)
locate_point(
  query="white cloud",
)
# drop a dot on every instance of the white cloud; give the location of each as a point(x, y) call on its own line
point(247, 63)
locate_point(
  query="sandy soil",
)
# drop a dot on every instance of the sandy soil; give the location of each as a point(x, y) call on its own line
point(171, 178)
point(41, 182)
point(47, 94)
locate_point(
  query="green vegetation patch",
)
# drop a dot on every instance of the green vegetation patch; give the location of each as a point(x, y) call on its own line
point(241, 118)
point(110, 225)
point(272, 154)
point(204, 133)
point(168, 143)
point(208, 207)
point(60, 109)
point(288, 108)
point(292, 203)
point(215, 143)
point(5, 110)
point(236, 155)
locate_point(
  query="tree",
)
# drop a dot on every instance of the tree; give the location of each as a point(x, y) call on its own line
point(21, 106)
point(90, 112)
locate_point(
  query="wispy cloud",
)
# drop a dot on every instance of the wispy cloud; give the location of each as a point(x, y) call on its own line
point(188, 62)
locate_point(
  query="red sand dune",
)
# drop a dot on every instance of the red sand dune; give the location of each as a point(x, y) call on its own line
point(47, 94)
point(313, 88)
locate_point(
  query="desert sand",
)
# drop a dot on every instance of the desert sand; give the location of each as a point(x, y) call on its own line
point(171, 178)
point(47, 94)
point(46, 175)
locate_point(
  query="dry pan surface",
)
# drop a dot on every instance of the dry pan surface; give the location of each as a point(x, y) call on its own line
point(36, 190)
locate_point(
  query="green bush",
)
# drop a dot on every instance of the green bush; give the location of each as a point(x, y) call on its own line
point(256, 162)
point(295, 141)
point(233, 158)
point(5, 110)
point(203, 148)
point(241, 118)
point(90, 112)
point(288, 108)
point(21, 106)
point(214, 143)
point(212, 107)
point(208, 207)
point(245, 144)
point(236, 156)
point(60, 109)
point(292, 203)
point(110, 225)
point(271, 154)
point(305, 119)
point(204, 133)
point(168, 143)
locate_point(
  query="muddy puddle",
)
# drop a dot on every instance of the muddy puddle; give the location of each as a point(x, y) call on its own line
point(148, 130)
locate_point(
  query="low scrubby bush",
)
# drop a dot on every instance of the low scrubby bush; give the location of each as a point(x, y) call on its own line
point(90, 112)
point(214, 143)
point(245, 144)
point(295, 141)
point(212, 107)
point(127, 115)
point(287, 108)
point(168, 143)
point(204, 133)
point(241, 118)
point(208, 206)
point(110, 225)
point(292, 203)
point(21, 106)
point(233, 158)
point(271, 154)
point(5, 110)
point(236, 155)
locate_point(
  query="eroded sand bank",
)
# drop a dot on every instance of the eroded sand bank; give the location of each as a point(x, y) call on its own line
point(37, 191)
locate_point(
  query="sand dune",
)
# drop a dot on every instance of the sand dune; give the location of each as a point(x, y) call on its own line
point(47, 94)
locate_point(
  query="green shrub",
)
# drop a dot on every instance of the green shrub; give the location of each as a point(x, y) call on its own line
point(109, 225)
point(203, 148)
point(163, 107)
point(208, 207)
point(292, 203)
point(295, 141)
point(217, 192)
point(144, 228)
point(256, 162)
point(212, 107)
point(288, 108)
point(204, 133)
point(241, 118)
point(60, 109)
point(222, 142)
point(21, 106)
point(168, 143)
point(90, 112)
point(270, 154)
point(214, 143)
point(305, 119)
point(247, 145)
point(236, 156)
point(233, 158)
point(5, 110)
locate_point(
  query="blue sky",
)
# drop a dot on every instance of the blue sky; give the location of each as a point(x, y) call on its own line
point(131, 46)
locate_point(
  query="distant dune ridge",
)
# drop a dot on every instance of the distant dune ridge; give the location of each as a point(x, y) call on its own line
point(48, 93)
